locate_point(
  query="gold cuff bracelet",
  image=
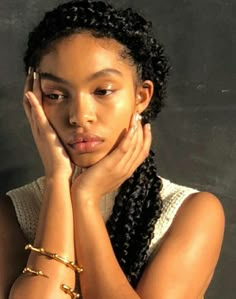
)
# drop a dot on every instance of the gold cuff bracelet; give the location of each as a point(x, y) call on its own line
point(34, 272)
point(70, 291)
point(56, 257)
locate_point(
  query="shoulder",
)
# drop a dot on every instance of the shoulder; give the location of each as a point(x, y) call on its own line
point(203, 213)
point(12, 254)
point(7, 215)
point(198, 213)
point(191, 202)
point(185, 261)
point(26, 201)
point(197, 231)
point(172, 196)
point(28, 197)
point(8, 220)
point(171, 191)
point(35, 187)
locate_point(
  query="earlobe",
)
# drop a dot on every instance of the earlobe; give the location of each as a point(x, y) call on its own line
point(139, 98)
point(144, 95)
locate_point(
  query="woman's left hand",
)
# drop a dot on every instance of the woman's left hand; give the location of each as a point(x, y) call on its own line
point(110, 172)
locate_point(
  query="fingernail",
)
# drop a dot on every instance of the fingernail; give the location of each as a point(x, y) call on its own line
point(30, 70)
point(148, 126)
point(138, 117)
point(35, 75)
point(134, 129)
point(27, 96)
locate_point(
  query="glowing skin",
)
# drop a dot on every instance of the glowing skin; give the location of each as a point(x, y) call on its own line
point(97, 95)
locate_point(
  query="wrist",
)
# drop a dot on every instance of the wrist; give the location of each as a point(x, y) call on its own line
point(58, 181)
point(57, 177)
point(85, 199)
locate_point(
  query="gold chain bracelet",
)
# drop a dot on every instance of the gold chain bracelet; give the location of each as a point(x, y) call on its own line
point(56, 257)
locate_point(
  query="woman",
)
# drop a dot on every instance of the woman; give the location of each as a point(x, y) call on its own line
point(101, 222)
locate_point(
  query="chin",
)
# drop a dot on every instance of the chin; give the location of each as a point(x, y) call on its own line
point(87, 160)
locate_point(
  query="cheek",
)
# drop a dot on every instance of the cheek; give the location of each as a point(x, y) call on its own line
point(123, 115)
point(120, 112)
point(54, 115)
point(46, 110)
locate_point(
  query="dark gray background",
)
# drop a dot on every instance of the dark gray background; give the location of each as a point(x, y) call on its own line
point(195, 135)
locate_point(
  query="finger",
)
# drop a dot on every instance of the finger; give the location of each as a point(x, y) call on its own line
point(37, 87)
point(135, 144)
point(133, 158)
point(39, 119)
point(27, 108)
point(28, 86)
point(147, 139)
point(124, 150)
point(144, 150)
point(139, 141)
point(29, 81)
point(127, 143)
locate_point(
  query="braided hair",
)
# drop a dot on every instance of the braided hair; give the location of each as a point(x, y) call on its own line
point(138, 204)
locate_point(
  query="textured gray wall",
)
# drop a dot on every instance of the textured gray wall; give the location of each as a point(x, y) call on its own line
point(194, 137)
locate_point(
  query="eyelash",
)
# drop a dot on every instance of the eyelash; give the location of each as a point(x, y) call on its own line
point(100, 92)
point(54, 96)
point(57, 97)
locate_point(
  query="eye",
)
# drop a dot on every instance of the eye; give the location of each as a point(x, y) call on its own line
point(103, 92)
point(54, 96)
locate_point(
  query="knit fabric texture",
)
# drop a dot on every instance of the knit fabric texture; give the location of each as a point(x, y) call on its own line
point(27, 201)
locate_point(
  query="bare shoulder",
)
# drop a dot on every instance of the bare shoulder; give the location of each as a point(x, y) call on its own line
point(201, 219)
point(184, 265)
point(204, 206)
point(12, 254)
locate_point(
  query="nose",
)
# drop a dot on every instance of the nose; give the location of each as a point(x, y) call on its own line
point(81, 111)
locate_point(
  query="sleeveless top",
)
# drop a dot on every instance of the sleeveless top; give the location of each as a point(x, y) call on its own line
point(27, 201)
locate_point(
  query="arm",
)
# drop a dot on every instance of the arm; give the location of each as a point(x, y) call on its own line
point(55, 228)
point(54, 234)
point(182, 268)
point(186, 260)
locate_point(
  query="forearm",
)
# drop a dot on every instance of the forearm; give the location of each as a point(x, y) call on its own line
point(54, 234)
point(102, 277)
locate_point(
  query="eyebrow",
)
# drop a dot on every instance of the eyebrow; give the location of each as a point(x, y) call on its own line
point(51, 77)
point(104, 72)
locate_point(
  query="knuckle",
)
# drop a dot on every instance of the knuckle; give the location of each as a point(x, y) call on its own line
point(123, 149)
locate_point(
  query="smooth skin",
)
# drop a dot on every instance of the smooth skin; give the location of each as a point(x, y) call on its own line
point(80, 97)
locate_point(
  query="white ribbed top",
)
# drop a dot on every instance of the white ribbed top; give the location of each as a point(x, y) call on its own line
point(27, 201)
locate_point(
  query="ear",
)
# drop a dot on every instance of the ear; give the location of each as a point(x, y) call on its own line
point(144, 95)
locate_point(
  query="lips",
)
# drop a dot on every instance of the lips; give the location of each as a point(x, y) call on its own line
point(85, 143)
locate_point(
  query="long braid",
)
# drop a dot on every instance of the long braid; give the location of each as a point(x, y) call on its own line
point(131, 225)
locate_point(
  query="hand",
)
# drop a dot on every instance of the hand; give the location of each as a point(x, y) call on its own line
point(110, 172)
point(51, 150)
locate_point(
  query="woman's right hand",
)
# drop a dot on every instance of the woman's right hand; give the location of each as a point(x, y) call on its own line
point(53, 155)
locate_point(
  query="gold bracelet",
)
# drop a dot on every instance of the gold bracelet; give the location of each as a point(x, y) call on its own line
point(56, 257)
point(34, 272)
point(70, 291)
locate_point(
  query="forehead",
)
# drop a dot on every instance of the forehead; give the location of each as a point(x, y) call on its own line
point(82, 54)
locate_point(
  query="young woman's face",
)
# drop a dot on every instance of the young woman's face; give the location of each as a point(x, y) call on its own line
point(89, 95)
